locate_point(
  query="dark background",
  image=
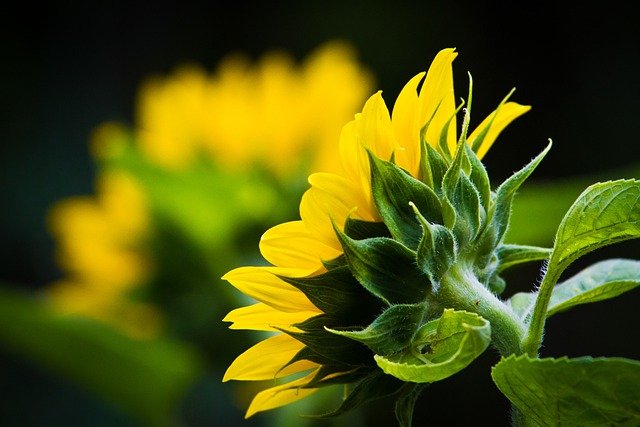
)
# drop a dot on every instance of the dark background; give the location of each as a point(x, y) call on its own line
point(68, 67)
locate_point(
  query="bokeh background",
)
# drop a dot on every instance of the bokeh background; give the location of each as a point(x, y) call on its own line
point(68, 67)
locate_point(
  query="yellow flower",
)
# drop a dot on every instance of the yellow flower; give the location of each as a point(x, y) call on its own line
point(275, 113)
point(292, 303)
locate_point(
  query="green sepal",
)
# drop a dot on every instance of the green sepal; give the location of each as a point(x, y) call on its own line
point(372, 387)
point(386, 268)
point(437, 249)
point(443, 144)
point(392, 331)
point(463, 197)
point(358, 229)
point(324, 347)
point(406, 403)
point(392, 190)
point(511, 255)
point(466, 201)
point(598, 282)
point(336, 292)
point(605, 213)
point(507, 190)
point(583, 391)
point(479, 177)
point(433, 167)
point(440, 348)
point(499, 213)
point(333, 374)
point(337, 262)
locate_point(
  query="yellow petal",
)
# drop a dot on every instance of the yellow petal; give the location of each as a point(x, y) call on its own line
point(291, 245)
point(504, 115)
point(374, 127)
point(266, 360)
point(353, 155)
point(261, 283)
point(261, 317)
point(406, 125)
point(437, 92)
point(332, 198)
point(346, 193)
point(281, 395)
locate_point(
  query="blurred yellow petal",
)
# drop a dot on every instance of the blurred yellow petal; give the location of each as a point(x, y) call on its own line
point(261, 317)
point(281, 395)
point(291, 244)
point(437, 93)
point(407, 124)
point(264, 286)
point(505, 114)
point(267, 359)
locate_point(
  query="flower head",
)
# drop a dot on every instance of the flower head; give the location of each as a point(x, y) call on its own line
point(366, 271)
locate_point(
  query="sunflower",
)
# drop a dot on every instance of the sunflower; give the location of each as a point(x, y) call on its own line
point(342, 284)
point(197, 139)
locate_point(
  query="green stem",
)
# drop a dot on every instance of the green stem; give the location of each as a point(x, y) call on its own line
point(461, 290)
point(532, 341)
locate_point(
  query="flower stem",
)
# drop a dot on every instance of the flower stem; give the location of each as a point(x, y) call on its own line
point(532, 341)
point(460, 289)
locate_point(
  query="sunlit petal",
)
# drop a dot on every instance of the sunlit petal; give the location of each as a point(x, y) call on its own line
point(291, 245)
point(261, 283)
point(261, 317)
point(267, 360)
point(504, 115)
point(281, 395)
point(437, 93)
point(407, 124)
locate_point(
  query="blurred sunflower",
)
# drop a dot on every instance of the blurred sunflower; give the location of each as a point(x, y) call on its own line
point(319, 285)
point(210, 159)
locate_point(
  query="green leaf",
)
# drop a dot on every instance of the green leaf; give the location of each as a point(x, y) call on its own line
point(392, 190)
point(441, 348)
point(575, 392)
point(386, 268)
point(605, 213)
point(146, 379)
point(392, 331)
point(510, 255)
point(601, 281)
